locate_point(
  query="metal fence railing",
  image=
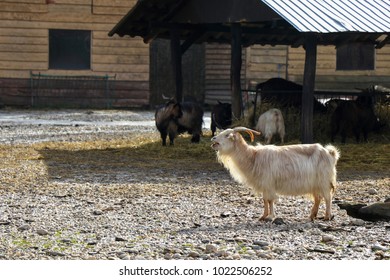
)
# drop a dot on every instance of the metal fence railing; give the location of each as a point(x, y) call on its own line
point(70, 88)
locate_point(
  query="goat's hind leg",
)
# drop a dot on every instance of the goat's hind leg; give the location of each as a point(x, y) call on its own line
point(269, 139)
point(164, 135)
point(171, 138)
point(271, 215)
point(195, 138)
point(269, 212)
point(328, 205)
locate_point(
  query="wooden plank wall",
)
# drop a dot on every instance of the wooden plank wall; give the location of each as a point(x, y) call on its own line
point(328, 78)
point(24, 47)
point(261, 63)
point(265, 62)
point(217, 72)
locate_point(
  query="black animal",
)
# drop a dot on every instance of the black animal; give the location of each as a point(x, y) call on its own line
point(380, 93)
point(332, 104)
point(379, 211)
point(221, 116)
point(285, 94)
point(174, 118)
point(356, 116)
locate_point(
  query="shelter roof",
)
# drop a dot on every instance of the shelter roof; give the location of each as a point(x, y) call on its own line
point(334, 16)
point(264, 22)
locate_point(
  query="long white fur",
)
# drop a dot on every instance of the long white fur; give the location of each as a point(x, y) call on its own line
point(285, 170)
point(271, 123)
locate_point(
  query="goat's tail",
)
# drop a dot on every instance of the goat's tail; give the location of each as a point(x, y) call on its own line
point(333, 151)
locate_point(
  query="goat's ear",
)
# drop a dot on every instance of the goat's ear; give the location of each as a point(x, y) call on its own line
point(232, 137)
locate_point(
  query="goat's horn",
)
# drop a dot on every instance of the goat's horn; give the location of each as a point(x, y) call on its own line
point(251, 132)
point(166, 97)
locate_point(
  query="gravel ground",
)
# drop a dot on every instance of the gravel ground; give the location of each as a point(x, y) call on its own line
point(49, 210)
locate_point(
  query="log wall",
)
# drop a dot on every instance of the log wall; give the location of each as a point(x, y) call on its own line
point(327, 77)
point(24, 47)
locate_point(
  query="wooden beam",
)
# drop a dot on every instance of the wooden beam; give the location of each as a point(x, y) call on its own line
point(220, 28)
point(191, 40)
point(176, 59)
point(308, 89)
point(235, 70)
point(383, 42)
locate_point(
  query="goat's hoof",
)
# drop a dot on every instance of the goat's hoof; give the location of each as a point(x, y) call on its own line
point(266, 219)
point(327, 218)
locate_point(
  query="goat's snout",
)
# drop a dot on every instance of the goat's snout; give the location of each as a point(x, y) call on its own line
point(214, 143)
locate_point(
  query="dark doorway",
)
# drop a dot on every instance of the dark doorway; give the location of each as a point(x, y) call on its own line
point(162, 82)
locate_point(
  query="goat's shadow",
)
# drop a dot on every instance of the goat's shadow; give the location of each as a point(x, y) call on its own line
point(119, 165)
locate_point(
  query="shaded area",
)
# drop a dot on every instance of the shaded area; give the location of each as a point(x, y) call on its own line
point(143, 159)
point(147, 162)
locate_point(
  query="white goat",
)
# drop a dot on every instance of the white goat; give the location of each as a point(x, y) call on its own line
point(271, 123)
point(286, 170)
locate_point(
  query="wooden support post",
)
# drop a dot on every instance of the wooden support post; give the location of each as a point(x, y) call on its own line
point(235, 70)
point(176, 59)
point(308, 89)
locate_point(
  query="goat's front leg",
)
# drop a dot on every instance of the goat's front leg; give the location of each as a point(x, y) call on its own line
point(266, 210)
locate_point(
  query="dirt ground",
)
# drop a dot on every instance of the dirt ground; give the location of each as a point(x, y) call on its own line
point(84, 184)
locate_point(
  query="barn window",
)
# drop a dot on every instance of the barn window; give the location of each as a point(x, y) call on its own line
point(356, 56)
point(69, 49)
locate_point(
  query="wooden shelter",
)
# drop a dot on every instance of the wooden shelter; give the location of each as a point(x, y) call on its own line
point(242, 23)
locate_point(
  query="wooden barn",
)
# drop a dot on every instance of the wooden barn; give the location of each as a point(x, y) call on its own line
point(56, 53)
